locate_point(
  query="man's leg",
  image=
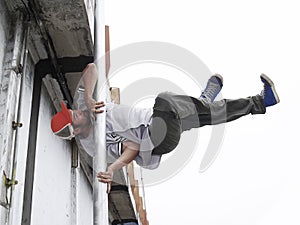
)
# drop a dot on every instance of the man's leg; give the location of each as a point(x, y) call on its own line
point(174, 114)
point(166, 126)
point(223, 111)
point(228, 110)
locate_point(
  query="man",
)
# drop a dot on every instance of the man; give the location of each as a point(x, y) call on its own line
point(146, 134)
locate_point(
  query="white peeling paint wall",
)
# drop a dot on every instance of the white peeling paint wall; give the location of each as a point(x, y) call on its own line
point(85, 201)
point(9, 89)
point(53, 200)
point(51, 203)
point(3, 34)
point(3, 42)
point(52, 195)
point(22, 143)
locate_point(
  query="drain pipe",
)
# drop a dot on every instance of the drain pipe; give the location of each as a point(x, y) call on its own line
point(12, 82)
point(12, 118)
point(21, 72)
point(100, 197)
point(15, 64)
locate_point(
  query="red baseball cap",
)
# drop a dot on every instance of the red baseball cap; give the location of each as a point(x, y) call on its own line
point(61, 123)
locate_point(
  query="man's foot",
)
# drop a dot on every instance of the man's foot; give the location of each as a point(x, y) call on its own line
point(213, 87)
point(269, 93)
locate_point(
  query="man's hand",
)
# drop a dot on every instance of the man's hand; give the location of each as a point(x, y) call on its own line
point(97, 106)
point(94, 107)
point(129, 151)
point(106, 177)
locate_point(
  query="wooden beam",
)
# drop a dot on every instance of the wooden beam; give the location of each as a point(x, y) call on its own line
point(134, 184)
point(107, 50)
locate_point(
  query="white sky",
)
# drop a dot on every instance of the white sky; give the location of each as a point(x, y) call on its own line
point(256, 178)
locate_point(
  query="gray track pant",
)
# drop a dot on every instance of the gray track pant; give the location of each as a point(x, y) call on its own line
point(174, 114)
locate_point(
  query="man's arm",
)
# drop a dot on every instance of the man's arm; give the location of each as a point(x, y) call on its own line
point(89, 78)
point(129, 151)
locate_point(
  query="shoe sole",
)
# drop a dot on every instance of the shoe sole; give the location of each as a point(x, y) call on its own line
point(268, 79)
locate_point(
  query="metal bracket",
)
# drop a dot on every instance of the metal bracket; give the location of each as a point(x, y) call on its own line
point(8, 182)
point(20, 68)
point(17, 69)
point(16, 125)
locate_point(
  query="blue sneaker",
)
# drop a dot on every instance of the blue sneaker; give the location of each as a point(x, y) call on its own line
point(269, 93)
point(213, 87)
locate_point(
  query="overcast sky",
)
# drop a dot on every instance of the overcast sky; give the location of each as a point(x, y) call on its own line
point(255, 180)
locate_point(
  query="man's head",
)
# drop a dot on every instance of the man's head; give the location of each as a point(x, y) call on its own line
point(68, 123)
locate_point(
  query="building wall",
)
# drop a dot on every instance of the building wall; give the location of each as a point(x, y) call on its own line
point(85, 201)
point(52, 192)
point(52, 179)
point(22, 143)
point(8, 90)
point(53, 196)
point(4, 35)
point(4, 27)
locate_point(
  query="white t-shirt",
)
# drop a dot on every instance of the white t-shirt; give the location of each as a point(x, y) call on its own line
point(122, 123)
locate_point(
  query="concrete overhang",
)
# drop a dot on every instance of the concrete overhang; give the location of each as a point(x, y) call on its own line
point(68, 25)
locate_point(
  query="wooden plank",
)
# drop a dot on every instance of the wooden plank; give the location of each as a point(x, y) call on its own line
point(54, 91)
point(115, 95)
point(134, 184)
point(107, 50)
point(74, 154)
point(87, 171)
